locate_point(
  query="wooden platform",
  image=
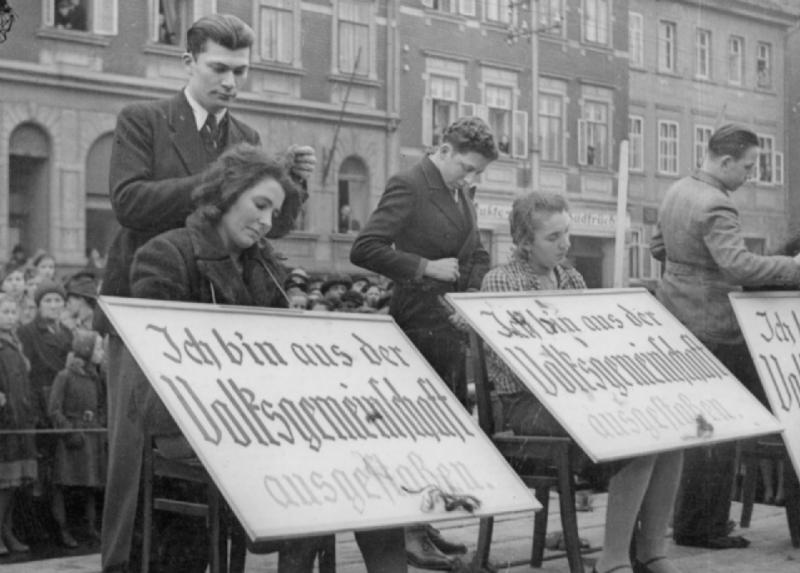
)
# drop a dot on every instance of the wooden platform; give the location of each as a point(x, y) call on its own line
point(770, 550)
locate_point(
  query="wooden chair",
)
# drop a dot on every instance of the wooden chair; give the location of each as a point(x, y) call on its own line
point(222, 528)
point(556, 454)
point(190, 470)
point(751, 453)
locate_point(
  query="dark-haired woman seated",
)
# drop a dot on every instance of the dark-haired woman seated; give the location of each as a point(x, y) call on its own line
point(222, 257)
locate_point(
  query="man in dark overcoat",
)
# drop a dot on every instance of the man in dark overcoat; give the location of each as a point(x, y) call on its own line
point(424, 236)
point(160, 149)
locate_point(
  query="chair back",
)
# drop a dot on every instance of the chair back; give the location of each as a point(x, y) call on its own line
point(483, 387)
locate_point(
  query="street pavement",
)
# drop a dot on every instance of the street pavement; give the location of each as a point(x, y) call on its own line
point(769, 552)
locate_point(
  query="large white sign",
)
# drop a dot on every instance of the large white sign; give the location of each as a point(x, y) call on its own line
point(315, 422)
point(771, 326)
point(617, 370)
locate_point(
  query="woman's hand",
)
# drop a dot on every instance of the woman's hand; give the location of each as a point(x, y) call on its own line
point(302, 161)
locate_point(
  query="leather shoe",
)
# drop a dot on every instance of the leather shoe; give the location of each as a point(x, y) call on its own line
point(423, 554)
point(442, 544)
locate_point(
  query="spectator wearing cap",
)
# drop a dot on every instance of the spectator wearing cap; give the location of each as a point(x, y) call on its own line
point(296, 283)
point(46, 343)
point(81, 289)
point(360, 284)
point(372, 296)
point(77, 402)
point(351, 301)
point(333, 288)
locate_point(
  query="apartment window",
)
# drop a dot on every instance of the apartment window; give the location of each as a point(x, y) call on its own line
point(735, 59)
point(354, 43)
point(764, 65)
point(499, 102)
point(173, 18)
point(440, 5)
point(636, 38)
point(595, 21)
point(551, 127)
point(668, 147)
point(636, 252)
point(498, 11)
point(277, 21)
point(702, 50)
point(769, 169)
point(593, 141)
point(467, 7)
point(636, 143)
point(442, 107)
point(667, 47)
point(94, 16)
point(702, 135)
point(551, 16)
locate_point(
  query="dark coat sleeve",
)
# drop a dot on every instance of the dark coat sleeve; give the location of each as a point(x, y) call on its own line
point(141, 200)
point(478, 266)
point(374, 248)
point(160, 272)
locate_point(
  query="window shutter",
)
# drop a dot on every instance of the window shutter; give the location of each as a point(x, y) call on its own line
point(778, 173)
point(582, 159)
point(467, 109)
point(427, 121)
point(519, 134)
point(104, 17)
point(48, 10)
point(482, 112)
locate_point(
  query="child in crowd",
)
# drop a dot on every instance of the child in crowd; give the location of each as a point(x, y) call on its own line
point(17, 452)
point(44, 267)
point(77, 401)
point(14, 286)
point(81, 301)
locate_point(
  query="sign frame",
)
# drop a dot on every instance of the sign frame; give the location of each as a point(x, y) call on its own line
point(522, 503)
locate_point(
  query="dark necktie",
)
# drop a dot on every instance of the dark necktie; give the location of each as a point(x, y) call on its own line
point(209, 133)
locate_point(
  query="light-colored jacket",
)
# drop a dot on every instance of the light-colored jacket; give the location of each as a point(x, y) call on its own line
point(700, 241)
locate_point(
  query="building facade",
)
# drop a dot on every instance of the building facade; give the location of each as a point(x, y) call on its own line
point(322, 74)
point(582, 111)
point(694, 65)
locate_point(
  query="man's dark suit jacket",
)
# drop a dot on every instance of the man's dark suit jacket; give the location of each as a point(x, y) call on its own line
point(418, 219)
point(156, 162)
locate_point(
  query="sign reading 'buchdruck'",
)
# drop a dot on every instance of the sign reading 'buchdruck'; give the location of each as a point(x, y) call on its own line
point(616, 369)
point(770, 322)
point(314, 422)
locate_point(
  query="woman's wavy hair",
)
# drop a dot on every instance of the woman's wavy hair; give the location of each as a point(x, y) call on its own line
point(234, 172)
point(528, 211)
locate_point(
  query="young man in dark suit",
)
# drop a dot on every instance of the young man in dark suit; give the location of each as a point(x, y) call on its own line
point(424, 236)
point(160, 149)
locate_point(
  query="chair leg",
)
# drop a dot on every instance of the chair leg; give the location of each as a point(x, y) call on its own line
point(238, 546)
point(792, 501)
point(569, 517)
point(147, 507)
point(218, 543)
point(485, 531)
point(326, 556)
point(540, 526)
point(748, 490)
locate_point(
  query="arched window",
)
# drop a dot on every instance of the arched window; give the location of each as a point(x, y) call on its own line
point(101, 224)
point(353, 197)
point(29, 187)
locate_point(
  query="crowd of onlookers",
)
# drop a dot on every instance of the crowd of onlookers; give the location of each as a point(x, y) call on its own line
point(52, 388)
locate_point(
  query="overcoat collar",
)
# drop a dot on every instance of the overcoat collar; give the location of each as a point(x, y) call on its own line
point(441, 195)
point(186, 138)
point(216, 265)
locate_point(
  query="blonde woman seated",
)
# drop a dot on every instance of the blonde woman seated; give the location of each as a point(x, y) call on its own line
point(643, 487)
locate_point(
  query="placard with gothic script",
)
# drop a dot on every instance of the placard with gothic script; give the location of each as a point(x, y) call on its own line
point(770, 322)
point(315, 422)
point(616, 369)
